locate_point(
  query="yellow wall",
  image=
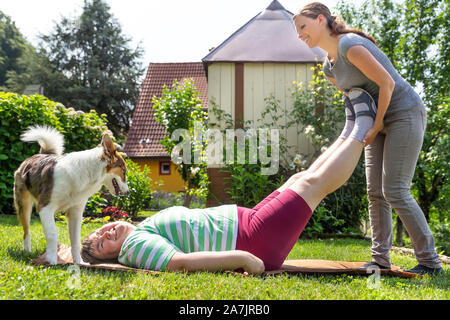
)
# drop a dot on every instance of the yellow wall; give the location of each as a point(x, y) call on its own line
point(171, 183)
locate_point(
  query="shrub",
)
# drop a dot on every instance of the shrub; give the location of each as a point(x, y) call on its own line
point(140, 186)
point(163, 199)
point(248, 183)
point(441, 232)
point(248, 186)
point(95, 205)
point(115, 213)
point(17, 112)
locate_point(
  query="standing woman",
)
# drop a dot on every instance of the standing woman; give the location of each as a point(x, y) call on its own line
point(394, 141)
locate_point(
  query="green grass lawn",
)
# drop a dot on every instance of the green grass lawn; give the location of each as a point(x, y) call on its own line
point(19, 279)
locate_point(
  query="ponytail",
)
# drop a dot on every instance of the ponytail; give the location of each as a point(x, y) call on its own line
point(335, 23)
point(337, 26)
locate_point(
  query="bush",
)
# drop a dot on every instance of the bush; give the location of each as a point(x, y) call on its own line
point(163, 199)
point(115, 213)
point(95, 205)
point(140, 186)
point(248, 183)
point(18, 112)
point(248, 186)
point(441, 234)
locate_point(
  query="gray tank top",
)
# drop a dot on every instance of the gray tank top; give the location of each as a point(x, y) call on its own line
point(348, 76)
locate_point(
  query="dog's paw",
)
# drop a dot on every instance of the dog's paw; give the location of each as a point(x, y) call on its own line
point(27, 244)
point(51, 260)
point(78, 260)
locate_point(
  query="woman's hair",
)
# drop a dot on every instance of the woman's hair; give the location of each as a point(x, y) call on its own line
point(335, 23)
point(87, 255)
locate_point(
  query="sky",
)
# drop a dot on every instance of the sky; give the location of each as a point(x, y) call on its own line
point(167, 30)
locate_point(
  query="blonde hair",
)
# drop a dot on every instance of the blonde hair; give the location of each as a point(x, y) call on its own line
point(335, 23)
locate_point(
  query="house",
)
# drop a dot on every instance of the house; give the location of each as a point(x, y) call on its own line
point(142, 145)
point(259, 60)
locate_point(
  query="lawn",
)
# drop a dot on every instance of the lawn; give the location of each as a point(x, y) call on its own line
point(19, 279)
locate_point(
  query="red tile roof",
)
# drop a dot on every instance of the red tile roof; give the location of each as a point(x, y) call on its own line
point(143, 125)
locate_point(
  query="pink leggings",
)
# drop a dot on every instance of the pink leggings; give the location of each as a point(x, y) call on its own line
point(272, 227)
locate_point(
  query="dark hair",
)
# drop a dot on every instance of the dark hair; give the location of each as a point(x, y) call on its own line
point(335, 23)
point(87, 254)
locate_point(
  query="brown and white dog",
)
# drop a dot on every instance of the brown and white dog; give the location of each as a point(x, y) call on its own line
point(57, 182)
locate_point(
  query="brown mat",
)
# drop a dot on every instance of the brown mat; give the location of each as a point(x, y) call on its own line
point(310, 266)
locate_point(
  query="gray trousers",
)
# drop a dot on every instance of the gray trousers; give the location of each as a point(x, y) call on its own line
point(390, 164)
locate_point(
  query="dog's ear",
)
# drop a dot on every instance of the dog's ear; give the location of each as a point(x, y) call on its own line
point(108, 145)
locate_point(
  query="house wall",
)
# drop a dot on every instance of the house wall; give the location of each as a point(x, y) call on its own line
point(171, 183)
point(261, 80)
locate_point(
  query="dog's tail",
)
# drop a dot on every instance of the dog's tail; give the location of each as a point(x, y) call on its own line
point(50, 139)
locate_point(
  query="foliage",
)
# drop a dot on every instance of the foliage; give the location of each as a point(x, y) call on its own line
point(95, 205)
point(21, 65)
point(35, 68)
point(18, 112)
point(248, 184)
point(441, 232)
point(180, 111)
point(322, 221)
point(140, 186)
point(100, 71)
point(12, 47)
point(163, 199)
point(319, 106)
point(432, 179)
point(115, 213)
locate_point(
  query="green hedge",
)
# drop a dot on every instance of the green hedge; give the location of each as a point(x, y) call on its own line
point(17, 112)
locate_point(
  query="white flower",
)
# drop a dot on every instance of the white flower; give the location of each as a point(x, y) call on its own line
point(304, 163)
point(308, 129)
point(323, 149)
point(194, 171)
point(297, 159)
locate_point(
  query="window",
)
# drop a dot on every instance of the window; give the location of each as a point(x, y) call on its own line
point(164, 167)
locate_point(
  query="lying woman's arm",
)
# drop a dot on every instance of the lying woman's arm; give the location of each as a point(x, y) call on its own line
point(215, 261)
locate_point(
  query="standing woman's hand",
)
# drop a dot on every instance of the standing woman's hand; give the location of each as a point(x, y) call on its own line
point(371, 135)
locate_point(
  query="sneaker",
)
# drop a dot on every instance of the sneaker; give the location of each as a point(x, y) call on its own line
point(373, 264)
point(423, 270)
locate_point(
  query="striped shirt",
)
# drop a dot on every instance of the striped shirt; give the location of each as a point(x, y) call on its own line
point(153, 243)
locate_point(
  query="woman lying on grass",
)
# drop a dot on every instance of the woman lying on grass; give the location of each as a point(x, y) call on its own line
point(230, 237)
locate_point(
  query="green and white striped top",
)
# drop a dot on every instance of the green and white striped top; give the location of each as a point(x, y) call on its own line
point(155, 240)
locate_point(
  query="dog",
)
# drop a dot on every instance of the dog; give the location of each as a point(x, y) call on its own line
point(57, 182)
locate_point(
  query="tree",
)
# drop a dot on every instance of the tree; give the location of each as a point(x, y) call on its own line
point(103, 72)
point(35, 68)
point(12, 47)
point(179, 110)
point(22, 65)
